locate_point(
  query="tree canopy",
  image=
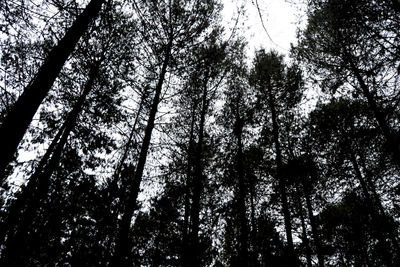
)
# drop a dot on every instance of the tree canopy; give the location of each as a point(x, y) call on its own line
point(144, 133)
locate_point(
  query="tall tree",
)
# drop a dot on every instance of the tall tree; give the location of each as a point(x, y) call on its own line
point(203, 84)
point(279, 88)
point(17, 120)
point(353, 43)
point(235, 118)
point(180, 28)
point(346, 131)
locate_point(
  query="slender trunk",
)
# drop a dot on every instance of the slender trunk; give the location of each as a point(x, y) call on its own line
point(20, 116)
point(253, 228)
point(281, 179)
point(113, 190)
point(39, 184)
point(306, 242)
point(120, 169)
point(314, 229)
point(194, 258)
point(371, 185)
point(128, 144)
point(243, 252)
point(123, 244)
point(391, 229)
point(185, 230)
point(360, 178)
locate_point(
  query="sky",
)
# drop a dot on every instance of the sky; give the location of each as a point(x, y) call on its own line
point(280, 18)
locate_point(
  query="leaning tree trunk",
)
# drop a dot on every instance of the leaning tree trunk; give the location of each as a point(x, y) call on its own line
point(113, 190)
point(123, 243)
point(393, 141)
point(20, 116)
point(375, 214)
point(23, 234)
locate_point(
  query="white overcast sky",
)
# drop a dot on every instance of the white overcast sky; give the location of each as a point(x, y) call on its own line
point(280, 17)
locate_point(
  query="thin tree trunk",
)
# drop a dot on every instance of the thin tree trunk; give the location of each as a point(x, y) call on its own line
point(306, 242)
point(393, 141)
point(194, 257)
point(281, 179)
point(243, 252)
point(372, 187)
point(314, 229)
point(20, 116)
point(123, 244)
point(360, 178)
point(188, 186)
point(253, 227)
point(128, 144)
point(112, 188)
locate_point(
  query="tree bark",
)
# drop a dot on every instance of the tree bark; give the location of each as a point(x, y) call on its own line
point(20, 116)
point(374, 211)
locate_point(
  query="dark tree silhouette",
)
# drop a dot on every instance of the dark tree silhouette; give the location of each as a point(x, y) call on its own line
point(17, 120)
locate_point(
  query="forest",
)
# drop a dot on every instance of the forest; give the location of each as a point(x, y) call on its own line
point(144, 133)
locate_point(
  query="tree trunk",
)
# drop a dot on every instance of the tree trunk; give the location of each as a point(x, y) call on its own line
point(392, 140)
point(306, 242)
point(243, 252)
point(188, 186)
point(128, 145)
point(374, 211)
point(38, 185)
point(360, 178)
point(123, 244)
point(253, 228)
point(20, 116)
point(314, 229)
point(281, 179)
point(194, 257)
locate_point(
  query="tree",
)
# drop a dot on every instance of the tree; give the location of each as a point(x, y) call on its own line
point(349, 44)
point(278, 87)
point(178, 34)
point(345, 124)
point(27, 216)
point(348, 225)
point(17, 120)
